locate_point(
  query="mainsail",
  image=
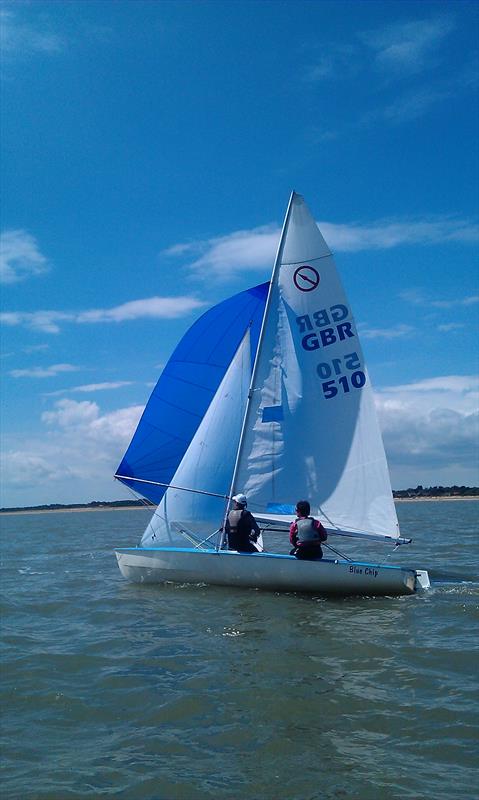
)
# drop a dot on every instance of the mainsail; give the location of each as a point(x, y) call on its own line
point(311, 430)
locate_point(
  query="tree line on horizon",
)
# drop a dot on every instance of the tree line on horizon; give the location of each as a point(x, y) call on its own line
point(419, 491)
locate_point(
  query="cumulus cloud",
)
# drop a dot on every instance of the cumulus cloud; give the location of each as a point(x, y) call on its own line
point(430, 429)
point(74, 459)
point(20, 256)
point(432, 426)
point(149, 308)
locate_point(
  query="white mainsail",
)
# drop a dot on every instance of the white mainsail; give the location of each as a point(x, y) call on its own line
point(204, 474)
point(311, 430)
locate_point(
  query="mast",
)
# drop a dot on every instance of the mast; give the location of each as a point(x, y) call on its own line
point(274, 274)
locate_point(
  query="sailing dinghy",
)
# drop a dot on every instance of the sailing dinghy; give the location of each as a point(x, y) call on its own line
point(267, 394)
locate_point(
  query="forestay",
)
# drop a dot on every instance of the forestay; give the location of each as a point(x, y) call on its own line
point(311, 430)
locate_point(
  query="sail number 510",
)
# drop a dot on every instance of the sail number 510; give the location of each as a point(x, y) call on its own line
point(355, 380)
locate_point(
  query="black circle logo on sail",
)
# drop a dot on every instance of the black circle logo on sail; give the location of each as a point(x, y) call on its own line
point(306, 278)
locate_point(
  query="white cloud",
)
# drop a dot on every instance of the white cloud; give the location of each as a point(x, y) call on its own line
point(71, 413)
point(408, 46)
point(457, 386)
point(419, 298)
point(386, 234)
point(101, 387)
point(35, 348)
point(75, 459)
point(341, 61)
point(431, 428)
point(20, 256)
point(239, 251)
point(149, 308)
point(90, 387)
point(451, 326)
point(44, 321)
point(397, 332)
point(43, 372)
point(249, 250)
point(20, 39)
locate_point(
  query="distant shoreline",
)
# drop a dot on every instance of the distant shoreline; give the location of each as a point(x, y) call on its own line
point(435, 499)
point(76, 510)
point(69, 510)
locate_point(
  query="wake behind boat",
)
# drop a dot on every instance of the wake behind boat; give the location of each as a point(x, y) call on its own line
point(267, 394)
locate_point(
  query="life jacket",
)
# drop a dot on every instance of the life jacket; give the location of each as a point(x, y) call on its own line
point(307, 532)
point(237, 522)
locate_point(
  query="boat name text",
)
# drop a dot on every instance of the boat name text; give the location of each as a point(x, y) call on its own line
point(371, 571)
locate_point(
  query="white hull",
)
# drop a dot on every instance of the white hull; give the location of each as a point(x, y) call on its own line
point(266, 571)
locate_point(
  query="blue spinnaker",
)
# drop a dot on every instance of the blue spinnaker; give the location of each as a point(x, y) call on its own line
point(186, 388)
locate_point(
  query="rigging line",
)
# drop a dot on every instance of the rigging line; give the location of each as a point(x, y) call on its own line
point(323, 513)
point(138, 496)
point(170, 486)
point(204, 541)
point(189, 538)
point(338, 553)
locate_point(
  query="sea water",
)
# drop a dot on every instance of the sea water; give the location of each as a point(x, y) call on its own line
point(177, 692)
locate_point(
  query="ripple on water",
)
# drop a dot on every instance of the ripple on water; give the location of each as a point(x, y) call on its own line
point(155, 693)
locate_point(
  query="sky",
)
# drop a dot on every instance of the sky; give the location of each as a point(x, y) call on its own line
point(148, 153)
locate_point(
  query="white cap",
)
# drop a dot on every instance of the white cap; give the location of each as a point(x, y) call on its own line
point(240, 499)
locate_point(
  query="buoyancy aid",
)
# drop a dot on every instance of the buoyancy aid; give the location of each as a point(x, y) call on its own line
point(307, 531)
point(237, 522)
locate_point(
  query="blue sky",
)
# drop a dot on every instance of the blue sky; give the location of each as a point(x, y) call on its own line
point(149, 150)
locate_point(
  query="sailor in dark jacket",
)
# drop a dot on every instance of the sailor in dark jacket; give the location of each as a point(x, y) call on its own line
point(306, 533)
point(241, 527)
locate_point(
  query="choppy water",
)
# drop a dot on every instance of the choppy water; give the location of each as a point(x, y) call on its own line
point(185, 693)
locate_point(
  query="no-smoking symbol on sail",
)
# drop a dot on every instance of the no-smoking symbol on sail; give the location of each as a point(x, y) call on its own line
point(306, 278)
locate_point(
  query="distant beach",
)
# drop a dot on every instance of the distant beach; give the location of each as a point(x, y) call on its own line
point(435, 499)
point(68, 510)
point(75, 510)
